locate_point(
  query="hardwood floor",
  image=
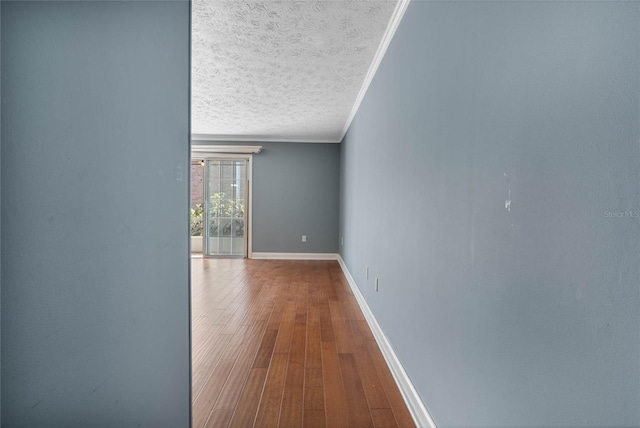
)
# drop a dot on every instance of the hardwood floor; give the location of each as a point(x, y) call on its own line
point(284, 343)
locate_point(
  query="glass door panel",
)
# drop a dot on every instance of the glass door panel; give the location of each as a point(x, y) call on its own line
point(226, 199)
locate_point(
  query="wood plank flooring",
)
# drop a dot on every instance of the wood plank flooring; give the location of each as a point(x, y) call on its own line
point(284, 343)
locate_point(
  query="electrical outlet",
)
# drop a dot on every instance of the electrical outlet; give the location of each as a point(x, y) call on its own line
point(366, 270)
point(304, 238)
point(376, 283)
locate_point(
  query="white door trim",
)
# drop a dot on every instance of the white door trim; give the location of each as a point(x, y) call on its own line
point(195, 155)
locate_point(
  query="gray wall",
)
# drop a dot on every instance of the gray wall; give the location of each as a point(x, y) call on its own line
point(295, 193)
point(505, 318)
point(95, 307)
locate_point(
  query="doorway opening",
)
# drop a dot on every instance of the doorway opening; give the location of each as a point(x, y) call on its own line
point(220, 206)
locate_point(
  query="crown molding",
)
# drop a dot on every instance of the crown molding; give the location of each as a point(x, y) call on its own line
point(203, 149)
point(394, 22)
point(258, 139)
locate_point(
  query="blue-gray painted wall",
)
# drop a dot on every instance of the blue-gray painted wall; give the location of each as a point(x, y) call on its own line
point(95, 129)
point(294, 194)
point(505, 314)
point(295, 188)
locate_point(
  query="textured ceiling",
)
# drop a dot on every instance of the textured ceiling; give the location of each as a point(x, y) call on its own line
point(281, 70)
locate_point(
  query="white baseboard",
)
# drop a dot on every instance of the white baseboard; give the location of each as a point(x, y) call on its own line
point(416, 407)
point(295, 256)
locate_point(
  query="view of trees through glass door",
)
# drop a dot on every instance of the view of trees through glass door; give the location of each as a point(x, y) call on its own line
point(225, 204)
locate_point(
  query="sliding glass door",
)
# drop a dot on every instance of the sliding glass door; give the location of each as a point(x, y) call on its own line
point(225, 207)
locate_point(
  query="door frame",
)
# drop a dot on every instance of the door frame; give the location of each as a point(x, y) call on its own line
point(198, 155)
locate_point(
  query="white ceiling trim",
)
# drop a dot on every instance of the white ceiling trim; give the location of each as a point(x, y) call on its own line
point(390, 31)
point(281, 70)
point(204, 149)
point(255, 139)
point(396, 17)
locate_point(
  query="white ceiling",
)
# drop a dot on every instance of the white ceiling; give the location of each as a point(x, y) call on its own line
point(284, 70)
